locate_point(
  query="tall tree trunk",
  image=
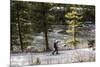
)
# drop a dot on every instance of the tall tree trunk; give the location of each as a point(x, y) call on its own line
point(19, 27)
point(46, 41)
point(46, 36)
point(74, 34)
point(11, 46)
point(46, 28)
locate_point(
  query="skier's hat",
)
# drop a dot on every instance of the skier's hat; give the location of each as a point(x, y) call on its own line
point(56, 40)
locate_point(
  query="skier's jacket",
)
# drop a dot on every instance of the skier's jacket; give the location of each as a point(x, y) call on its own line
point(55, 45)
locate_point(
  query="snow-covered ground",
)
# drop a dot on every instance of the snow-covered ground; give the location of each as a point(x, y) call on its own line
point(67, 56)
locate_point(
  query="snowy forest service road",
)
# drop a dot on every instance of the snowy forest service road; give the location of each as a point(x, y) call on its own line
point(71, 56)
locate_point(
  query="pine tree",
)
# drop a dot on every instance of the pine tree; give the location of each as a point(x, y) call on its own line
point(42, 19)
point(20, 24)
point(74, 17)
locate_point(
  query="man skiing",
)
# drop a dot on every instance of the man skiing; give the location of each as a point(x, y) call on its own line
point(55, 47)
